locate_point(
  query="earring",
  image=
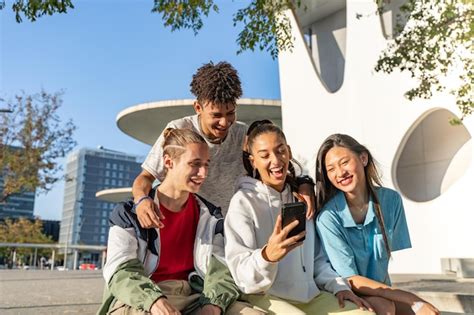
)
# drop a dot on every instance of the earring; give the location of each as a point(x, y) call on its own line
point(254, 174)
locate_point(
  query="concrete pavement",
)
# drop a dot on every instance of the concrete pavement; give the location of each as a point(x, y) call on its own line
point(446, 292)
point(80, 292)
point(50, 292)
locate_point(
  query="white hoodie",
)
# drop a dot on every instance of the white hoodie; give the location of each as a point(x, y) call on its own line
point(248, 225)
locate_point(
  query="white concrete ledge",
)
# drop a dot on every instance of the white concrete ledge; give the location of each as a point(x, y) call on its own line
point(146, 121)
point(114, 194)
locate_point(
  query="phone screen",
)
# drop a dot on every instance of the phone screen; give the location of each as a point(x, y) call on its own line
point(294, 211)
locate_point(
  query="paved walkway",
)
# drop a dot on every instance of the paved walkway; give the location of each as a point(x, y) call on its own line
point(445, 291)
point(80, 292)
point(50, 292)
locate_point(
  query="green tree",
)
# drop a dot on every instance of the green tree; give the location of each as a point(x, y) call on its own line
point(264, 27)
point(33, 9)
point(435, 42)
point(32, 139)
point(437, 38)
point(22, 231)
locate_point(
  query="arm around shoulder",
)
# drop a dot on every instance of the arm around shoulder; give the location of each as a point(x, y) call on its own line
point(148, 213)
point(142, 185)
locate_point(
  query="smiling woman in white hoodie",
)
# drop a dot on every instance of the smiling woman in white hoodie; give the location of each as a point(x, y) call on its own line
point(279, 274)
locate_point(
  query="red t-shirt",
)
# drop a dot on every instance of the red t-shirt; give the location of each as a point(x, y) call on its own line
point(177, 242)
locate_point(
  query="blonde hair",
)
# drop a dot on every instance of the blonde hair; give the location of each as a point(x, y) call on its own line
point(175, 141)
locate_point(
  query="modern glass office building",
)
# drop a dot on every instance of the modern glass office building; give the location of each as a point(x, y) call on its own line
point(85, 218)
point(17, 205)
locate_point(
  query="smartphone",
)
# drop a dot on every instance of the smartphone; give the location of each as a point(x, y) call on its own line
point(291, 212)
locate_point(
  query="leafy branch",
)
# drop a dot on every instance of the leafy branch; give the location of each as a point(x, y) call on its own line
point(32, 139)
point(436, 42)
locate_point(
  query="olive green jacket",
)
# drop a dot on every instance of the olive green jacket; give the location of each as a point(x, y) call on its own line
point(137, 290)
point(133, 255)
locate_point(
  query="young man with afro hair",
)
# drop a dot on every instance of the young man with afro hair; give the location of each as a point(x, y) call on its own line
point(217, 88)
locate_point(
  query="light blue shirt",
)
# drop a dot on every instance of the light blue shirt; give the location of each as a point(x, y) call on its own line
point(359, 249)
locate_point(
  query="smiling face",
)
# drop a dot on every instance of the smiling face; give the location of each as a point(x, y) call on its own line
point(215, 120)
point(189, 170)
point(345, 169)
point(270, 155)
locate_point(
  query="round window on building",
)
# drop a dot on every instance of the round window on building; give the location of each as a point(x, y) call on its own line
point(433, 156)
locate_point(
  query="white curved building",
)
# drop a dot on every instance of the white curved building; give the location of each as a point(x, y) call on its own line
point(328, 85)
point(145, 122)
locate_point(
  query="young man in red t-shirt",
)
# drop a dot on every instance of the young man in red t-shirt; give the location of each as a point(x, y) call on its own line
point(147, 270)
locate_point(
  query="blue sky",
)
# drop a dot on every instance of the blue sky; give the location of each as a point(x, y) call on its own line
point(110, 55)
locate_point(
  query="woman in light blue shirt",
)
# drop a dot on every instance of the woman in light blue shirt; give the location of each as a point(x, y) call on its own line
point(360, 223)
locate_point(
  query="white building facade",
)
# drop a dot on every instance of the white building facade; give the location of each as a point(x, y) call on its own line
point(329, 85)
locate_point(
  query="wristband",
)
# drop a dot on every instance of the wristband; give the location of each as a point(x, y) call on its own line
point(417, 306)
point(140, 200)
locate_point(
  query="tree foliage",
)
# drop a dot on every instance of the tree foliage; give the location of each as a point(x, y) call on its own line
point(184, 14)
point(32, 139)
point(264, 28)
point(33, 9)
point(22, 230)
point(437, 39)
point(436, 42)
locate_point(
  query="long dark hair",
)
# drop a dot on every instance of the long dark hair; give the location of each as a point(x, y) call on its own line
point(257, 128)
point(325, 190)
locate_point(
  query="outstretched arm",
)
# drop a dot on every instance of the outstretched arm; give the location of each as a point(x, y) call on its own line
point(148, 213)
point(369, 287)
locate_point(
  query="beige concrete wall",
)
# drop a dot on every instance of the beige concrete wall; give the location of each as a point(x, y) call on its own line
point(371, 107)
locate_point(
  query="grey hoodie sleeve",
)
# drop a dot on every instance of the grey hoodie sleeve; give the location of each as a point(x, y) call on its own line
point(251, 272)
point(324, 276)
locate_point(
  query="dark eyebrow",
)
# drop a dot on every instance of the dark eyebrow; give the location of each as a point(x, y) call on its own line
point(338, 161)
point(199, 160)
point(226, 113)
point(278, 147)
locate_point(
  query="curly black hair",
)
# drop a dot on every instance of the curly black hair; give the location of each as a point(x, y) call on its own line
point(218, 84)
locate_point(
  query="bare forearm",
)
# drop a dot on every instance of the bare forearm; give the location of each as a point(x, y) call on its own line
point(142, 185)
point(366, 286)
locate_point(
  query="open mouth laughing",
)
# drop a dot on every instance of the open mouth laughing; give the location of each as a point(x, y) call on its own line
point(197, 181)
point(277, 172)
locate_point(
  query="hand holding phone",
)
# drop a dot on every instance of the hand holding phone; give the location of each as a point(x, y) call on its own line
point(291, 212)
point(279, 244)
